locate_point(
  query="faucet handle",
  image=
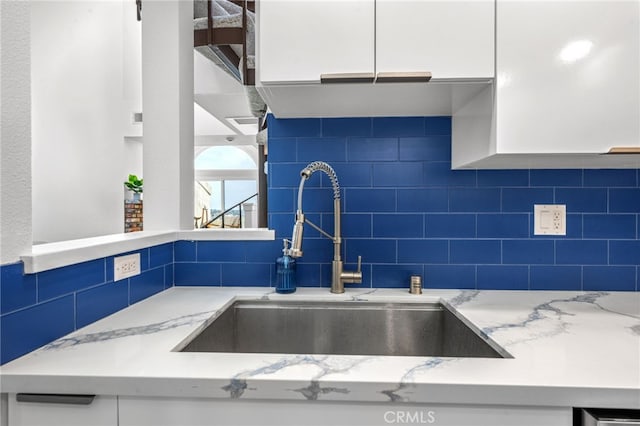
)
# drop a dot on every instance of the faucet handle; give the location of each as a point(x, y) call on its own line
point(359, 264)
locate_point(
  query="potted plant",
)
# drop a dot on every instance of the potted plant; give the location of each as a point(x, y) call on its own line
point(134, 186)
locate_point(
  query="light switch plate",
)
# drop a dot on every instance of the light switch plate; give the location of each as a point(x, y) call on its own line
point(126, 266)
point(550, 219)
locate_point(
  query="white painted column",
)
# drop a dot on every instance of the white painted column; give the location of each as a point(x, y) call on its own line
point(15, 130)
point(167, 105)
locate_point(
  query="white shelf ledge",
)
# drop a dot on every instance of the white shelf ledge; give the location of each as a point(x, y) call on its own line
point(55, 255)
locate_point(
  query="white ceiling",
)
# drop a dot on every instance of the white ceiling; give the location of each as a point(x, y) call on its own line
point(217, 96)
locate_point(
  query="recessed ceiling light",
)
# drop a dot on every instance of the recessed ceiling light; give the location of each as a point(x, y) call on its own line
point(575, 51)
point(245, 125)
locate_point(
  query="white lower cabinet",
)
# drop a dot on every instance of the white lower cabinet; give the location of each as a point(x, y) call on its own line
point(103, 411)
point(137, 411)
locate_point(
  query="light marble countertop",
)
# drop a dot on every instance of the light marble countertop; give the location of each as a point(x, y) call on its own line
point(568, 348)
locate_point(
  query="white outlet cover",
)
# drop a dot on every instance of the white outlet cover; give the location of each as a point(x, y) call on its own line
point(126, 266)
point(550, 219)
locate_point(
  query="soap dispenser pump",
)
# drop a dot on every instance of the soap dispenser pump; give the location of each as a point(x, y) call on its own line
point(285, 271)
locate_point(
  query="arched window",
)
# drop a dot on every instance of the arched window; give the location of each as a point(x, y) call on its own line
point(225, 175)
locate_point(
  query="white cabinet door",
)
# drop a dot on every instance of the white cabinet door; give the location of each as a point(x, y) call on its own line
point(211, 412)
point(299, 40)
point(452, 39)
point(568, 76)
point(103, 411)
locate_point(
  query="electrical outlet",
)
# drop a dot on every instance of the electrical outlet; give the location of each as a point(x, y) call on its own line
point(126, 266)
point(550, 219)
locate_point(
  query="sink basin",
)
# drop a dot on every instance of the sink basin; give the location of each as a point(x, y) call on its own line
point(342, 328)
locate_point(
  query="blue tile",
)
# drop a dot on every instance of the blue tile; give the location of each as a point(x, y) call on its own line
point(503, 225)
point(474, 200)
point(281, 223)
point(449, 276)
point(475, 251)
point(317, 200)
point(99, 302)
point(608, 278)
point(281, 200)
point(503, 178)
point(498, 277)
point(372, 149)
point(146, 284)
point(350, 175)
point(372, 251)
point(615, 226)
point(27, 329)
point(353, 225)
point(439, 173)
point(450, 225)
point(394, 276)
point(423, 251)
point(57, 282)
point(555, 177)
point(397, 174)
point(624, 200)
point(317, 250)
point(426, 148)
point(528, 252)
point(573, 225)
point(282, 149)
point(322, 149)
point(423, 200)
point(168, 275)
point(437, 125)
point(207, 274)
point(292, 127)
point(581, 252)
point(523, 199)
point(398, 225)
point(610, 177)
point(185, 251)
point(248, 274)
point(287, 175)
point(16, 290)
point(624, 252)
point(264, 251)
point(582, 200)
point(160, 255)
point(555, 278)
point(308, 274)
point(369, 200)
point(347, 126)
point(221, 251)
point(398, 126)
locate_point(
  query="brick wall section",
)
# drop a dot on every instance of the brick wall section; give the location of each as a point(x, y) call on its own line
point(133, 216)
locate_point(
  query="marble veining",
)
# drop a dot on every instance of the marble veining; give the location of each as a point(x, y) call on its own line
point(82, 339)
point(550, 336)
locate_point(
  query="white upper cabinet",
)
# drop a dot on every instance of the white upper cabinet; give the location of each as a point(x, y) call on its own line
point(298, 40)
point(451, 39)
point(567, 88)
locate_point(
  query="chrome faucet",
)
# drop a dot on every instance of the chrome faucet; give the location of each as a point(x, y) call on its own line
point(339, 277)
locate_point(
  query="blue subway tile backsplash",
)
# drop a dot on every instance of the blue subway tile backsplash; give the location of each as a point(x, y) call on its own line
point(38, 308)
point(405, 211)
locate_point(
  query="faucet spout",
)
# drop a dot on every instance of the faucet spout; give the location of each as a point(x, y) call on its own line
point(339, 276)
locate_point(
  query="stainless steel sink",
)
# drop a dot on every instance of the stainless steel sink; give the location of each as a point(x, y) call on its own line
point(342, 328)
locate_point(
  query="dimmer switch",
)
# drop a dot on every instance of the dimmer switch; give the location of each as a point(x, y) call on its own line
point(550, 219)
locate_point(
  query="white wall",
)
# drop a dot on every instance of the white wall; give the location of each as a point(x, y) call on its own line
point(15, 128)
point(86, 76)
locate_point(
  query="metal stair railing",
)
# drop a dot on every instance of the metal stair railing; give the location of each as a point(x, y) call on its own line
point(222, 215)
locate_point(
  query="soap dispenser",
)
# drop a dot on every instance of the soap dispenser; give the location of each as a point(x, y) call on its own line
point(285, 271)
